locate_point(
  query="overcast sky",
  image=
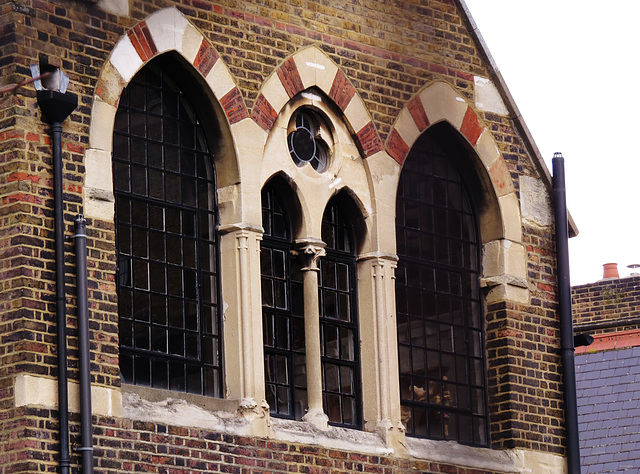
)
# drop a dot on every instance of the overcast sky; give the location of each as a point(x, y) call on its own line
point(573, 68)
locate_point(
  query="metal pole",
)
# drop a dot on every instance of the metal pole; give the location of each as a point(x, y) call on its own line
point(86, 426)
point(61, 310)
point(566, 319)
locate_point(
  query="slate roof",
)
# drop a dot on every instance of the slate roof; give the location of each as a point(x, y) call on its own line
point(608, 385)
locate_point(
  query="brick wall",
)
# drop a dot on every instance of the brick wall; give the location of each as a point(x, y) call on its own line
point(606, 306)
point(525, 376)
point(388, 52)
point(134, 446)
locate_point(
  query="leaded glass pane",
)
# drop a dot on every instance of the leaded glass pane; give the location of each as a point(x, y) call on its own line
point(338, 322)
point(165, 256)
point(282, 313)
point(440, 338)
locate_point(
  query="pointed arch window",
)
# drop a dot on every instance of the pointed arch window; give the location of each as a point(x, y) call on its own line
point(282, 312)
point(340, 351)
point(167, 248)
point(439, 315)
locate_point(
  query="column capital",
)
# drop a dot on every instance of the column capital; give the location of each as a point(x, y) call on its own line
point(240, 227)
point(378, 257)
point(309, 251)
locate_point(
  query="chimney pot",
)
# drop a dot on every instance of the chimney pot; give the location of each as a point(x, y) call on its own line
point(611, 270)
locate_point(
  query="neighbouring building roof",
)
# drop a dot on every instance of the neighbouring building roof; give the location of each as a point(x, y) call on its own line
point(608, 384)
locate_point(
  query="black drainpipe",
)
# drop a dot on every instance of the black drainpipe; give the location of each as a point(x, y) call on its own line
point(566, 318)
point(86, 427)
point(56, 107)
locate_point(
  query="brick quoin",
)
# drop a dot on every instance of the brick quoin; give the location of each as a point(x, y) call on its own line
point(471, 127)
point(23, 177)
point(369, 140)
point(142, 41)
point(341, 91)
point(419, 115)
point(396, 147)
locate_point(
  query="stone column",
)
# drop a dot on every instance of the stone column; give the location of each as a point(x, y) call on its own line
point(381, 359)
point(310, 251)
point(244, 360)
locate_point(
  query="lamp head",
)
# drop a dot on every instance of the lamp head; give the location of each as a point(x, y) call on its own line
point(51, 87)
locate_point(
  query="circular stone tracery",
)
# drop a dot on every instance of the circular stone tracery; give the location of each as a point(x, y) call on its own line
point(306, 144)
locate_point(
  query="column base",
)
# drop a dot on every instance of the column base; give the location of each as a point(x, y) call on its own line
point(317, 418)
point(393, 436)
point(257, 415)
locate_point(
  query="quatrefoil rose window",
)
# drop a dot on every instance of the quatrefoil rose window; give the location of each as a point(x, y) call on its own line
point(307, 139)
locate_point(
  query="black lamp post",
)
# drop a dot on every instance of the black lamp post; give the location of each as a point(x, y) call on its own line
point(56, 105)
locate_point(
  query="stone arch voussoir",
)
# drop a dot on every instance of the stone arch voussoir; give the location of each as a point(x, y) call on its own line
point(311, 67)
point(165, 30)
point(504, 257)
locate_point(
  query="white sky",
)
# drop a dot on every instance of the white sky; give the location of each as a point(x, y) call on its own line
point(573, 67)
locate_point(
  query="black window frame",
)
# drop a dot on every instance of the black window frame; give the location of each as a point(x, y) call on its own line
point(339, 235)
point(437, 292)
point(282, 311)
point(165, 219)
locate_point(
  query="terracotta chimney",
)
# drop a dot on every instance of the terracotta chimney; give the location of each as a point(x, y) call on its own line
point(611, 270)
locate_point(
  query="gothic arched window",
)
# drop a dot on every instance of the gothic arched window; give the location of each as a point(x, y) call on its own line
point(282, 312)
point(167, 248)
point(339, 341)
point(440, 322)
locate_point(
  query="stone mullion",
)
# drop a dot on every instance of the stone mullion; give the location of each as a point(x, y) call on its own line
point(310, 252)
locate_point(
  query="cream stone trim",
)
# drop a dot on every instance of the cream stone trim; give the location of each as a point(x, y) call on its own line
point(454, 453)
point(125, 59)
point(167, 27)
point(378, 323)
point(536, 202)
point(488, 97)
point(98, 188)
point(406, 127)
point(170, 31)
point(240, 252)
point(219, 79)
point(440, 102)
point(511, 220)
point(310, 251)
point(504, 260)
point(537, 462)
point(316, 69)
point(43, 392)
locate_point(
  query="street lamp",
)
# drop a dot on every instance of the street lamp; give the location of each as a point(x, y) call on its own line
point(56, 105)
